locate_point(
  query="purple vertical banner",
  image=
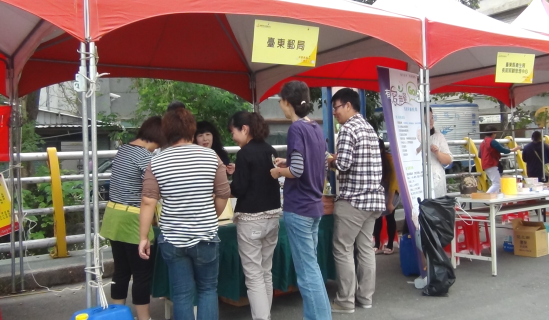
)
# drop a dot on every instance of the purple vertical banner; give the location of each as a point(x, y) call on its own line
point(398, 92)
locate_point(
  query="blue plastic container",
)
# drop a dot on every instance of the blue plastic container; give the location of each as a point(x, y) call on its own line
point(113, 312)
point(408, 258)
point(508, 247)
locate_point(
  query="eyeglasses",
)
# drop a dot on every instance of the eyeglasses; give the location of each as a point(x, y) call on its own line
point(336, 107)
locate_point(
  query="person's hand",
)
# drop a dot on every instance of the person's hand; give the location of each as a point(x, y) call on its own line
point(275, 173)
point(230, 168)
point(280, 162)
point(434, 149)
point(145, 249)
point(390, 208)
point(517, 148)
point(331, 160)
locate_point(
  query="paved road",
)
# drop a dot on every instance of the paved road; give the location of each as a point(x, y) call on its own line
point(521, 291)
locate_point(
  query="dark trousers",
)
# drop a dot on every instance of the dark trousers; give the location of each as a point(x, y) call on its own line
point(391, 230)
point(127, 263)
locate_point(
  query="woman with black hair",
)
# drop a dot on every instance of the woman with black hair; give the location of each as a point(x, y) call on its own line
point(257, 210)
point(303, 187)
point(389, 183)
point(206, 135)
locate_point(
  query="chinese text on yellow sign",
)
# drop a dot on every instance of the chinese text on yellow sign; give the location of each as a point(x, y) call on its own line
point(515, 67)
point(5, 208)
point(284, 43)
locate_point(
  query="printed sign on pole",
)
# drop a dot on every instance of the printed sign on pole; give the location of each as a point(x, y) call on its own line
point(285, 43)
point(515, 67)
point(5, 209)
point(399, 98)
point(5, 113)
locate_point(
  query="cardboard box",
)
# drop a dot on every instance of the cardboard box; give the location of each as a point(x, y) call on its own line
point(529, 238)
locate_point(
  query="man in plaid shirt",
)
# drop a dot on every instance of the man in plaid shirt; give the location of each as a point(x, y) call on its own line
point(360, 202)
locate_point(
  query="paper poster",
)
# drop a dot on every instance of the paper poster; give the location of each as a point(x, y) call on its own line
point(284, 43)
point(398, 91)
point(5, 113)
point(515, 67)
point(5, 208)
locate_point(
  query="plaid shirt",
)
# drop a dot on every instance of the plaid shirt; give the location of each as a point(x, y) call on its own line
point(359, 164)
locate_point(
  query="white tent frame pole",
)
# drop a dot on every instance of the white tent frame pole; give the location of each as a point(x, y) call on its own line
point(93, 111)
point(423, 135)
point(86, 160)
point(11, 171)
point(513, 129)
point(428, 130)
point(425, 121)
point(20, 216)
point(86, 173)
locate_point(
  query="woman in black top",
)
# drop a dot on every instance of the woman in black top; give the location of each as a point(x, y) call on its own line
point(206, 135)
point(257, 209)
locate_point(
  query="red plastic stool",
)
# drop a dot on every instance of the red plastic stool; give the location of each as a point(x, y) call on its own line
point(475, 244)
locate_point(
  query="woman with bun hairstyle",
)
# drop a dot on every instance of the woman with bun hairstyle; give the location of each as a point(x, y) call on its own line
point(258, 208)
point(303, 208)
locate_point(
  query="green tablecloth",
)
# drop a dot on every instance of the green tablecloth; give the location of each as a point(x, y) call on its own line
point(231, 277)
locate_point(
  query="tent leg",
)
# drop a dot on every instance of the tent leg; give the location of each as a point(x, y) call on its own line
point(93, 111)
point(427, 132)
point(86, 172)
point(328, 126)
point(12, 188)
point(423, 135)
point(362, 95)
point(20, 216)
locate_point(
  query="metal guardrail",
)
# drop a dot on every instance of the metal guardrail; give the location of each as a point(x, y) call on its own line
point(105, 154)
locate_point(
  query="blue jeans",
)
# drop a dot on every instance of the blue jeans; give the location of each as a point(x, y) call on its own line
point(303, 235)
point(189, 267)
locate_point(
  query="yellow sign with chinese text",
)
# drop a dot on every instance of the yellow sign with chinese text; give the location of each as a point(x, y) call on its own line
point(5, 208)
point(285, 43)
point(515, 67)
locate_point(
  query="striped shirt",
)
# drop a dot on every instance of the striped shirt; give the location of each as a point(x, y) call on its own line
point(128, 169)
point(185, 176)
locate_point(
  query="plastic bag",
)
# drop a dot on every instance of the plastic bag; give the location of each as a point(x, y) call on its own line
point(437, 221)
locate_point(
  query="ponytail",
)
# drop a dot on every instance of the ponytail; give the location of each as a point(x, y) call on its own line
point(259, 129)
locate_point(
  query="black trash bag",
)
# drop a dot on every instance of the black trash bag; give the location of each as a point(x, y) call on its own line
point(437, 218)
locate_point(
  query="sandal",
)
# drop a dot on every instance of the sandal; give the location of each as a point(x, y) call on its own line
point(378, 251)
point(388, 251)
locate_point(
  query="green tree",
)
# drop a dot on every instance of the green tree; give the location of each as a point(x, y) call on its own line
point(206, 103)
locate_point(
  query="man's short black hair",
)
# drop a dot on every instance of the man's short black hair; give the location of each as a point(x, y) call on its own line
point(348, 95)
point(175, 105)
point(490, 130)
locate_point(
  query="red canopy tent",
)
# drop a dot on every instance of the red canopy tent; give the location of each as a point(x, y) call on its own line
point(482, 81)
point(211, 42)
point(359, 73)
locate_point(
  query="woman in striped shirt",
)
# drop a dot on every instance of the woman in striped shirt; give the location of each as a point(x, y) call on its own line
point(186, 175)
point(121, 219)
point(257, 210)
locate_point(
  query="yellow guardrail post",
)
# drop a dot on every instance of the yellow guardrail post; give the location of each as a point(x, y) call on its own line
point(60, 232)
point(482, 179)
point(520, 162)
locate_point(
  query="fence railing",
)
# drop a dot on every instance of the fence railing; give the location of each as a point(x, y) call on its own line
point(109, 154)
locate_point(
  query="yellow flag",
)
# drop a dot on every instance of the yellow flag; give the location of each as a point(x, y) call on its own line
point(285, 43)
point(515, 67)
